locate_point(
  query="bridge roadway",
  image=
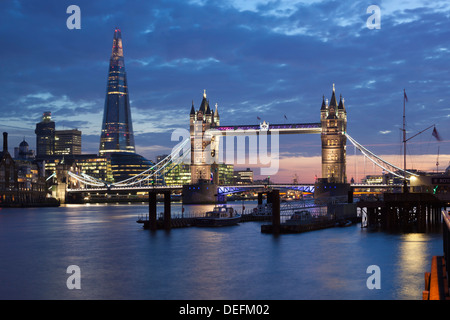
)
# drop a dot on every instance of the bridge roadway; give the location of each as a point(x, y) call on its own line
point(227, 189)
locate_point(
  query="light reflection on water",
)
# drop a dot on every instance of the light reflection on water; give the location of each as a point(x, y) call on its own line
point(120, 260)
point(413, 256)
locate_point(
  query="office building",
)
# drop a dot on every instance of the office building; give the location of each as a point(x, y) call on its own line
point(178, 175)
point(45, 136)
point(127, 165)
point(67, 142)
point(243, 176)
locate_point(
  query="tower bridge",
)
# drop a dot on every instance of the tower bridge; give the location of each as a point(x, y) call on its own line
point(205, 151)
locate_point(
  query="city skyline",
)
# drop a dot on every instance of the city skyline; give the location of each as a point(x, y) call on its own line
point(272, 60)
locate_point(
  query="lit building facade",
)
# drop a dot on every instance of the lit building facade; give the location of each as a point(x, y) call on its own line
point(178, 175)
point(117, 130)
point(181, 174)
point(21, 181)
point(126, 165)
point(67, 142)
point(30, 175)
point(90, 164)
point(226, 173)
point(243, 176)
point(97, 167)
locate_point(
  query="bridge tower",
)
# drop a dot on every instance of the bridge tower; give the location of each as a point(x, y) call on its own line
point(333, 117)
point(204, 156)
point(204, 147)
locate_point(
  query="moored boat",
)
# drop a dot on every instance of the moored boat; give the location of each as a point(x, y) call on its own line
point(220, 216)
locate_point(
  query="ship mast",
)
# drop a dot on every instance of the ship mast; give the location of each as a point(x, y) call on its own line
point(405, 99)
point(405, 186)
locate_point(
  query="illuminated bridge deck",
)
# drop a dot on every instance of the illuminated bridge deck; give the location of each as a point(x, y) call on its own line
point(226, 189)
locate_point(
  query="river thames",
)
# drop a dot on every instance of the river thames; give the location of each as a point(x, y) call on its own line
point(118, 259)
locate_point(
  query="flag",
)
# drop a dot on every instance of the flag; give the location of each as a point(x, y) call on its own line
point(258, 118)
point(436, 134)
point(404, 94)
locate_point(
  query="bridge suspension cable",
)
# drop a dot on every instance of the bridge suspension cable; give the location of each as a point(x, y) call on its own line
point(172, 159)
point(404, 174)
point(87, 181)
point(51, 176)
point(142, 176)
point(174, 155)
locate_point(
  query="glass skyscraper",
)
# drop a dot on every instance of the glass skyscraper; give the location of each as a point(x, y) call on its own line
point(117, 129)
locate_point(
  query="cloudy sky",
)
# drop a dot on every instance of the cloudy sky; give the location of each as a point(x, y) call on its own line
point(257, 58)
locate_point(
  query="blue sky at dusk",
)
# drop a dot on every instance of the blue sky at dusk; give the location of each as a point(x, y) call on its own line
point(259, 58)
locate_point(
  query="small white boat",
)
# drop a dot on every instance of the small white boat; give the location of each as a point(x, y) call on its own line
point(220, 216)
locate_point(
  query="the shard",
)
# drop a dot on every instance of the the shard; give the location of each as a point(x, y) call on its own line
point(117, 129)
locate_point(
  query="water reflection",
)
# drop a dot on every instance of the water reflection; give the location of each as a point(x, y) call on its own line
point(413, 261)
point(121, 260)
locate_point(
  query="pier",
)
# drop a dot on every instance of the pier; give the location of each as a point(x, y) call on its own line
point(190, 221)
point(277, 214)
point(318, 217)
point(401, 211)
point(298, 228)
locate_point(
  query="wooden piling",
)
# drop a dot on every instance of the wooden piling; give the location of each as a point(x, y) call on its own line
point(152, 210)
point(260, 198)
point(167, 213)
point(274, 197)
point(411, 211)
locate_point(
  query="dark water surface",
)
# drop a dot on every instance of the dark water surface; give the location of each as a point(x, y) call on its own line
point(118, 259)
